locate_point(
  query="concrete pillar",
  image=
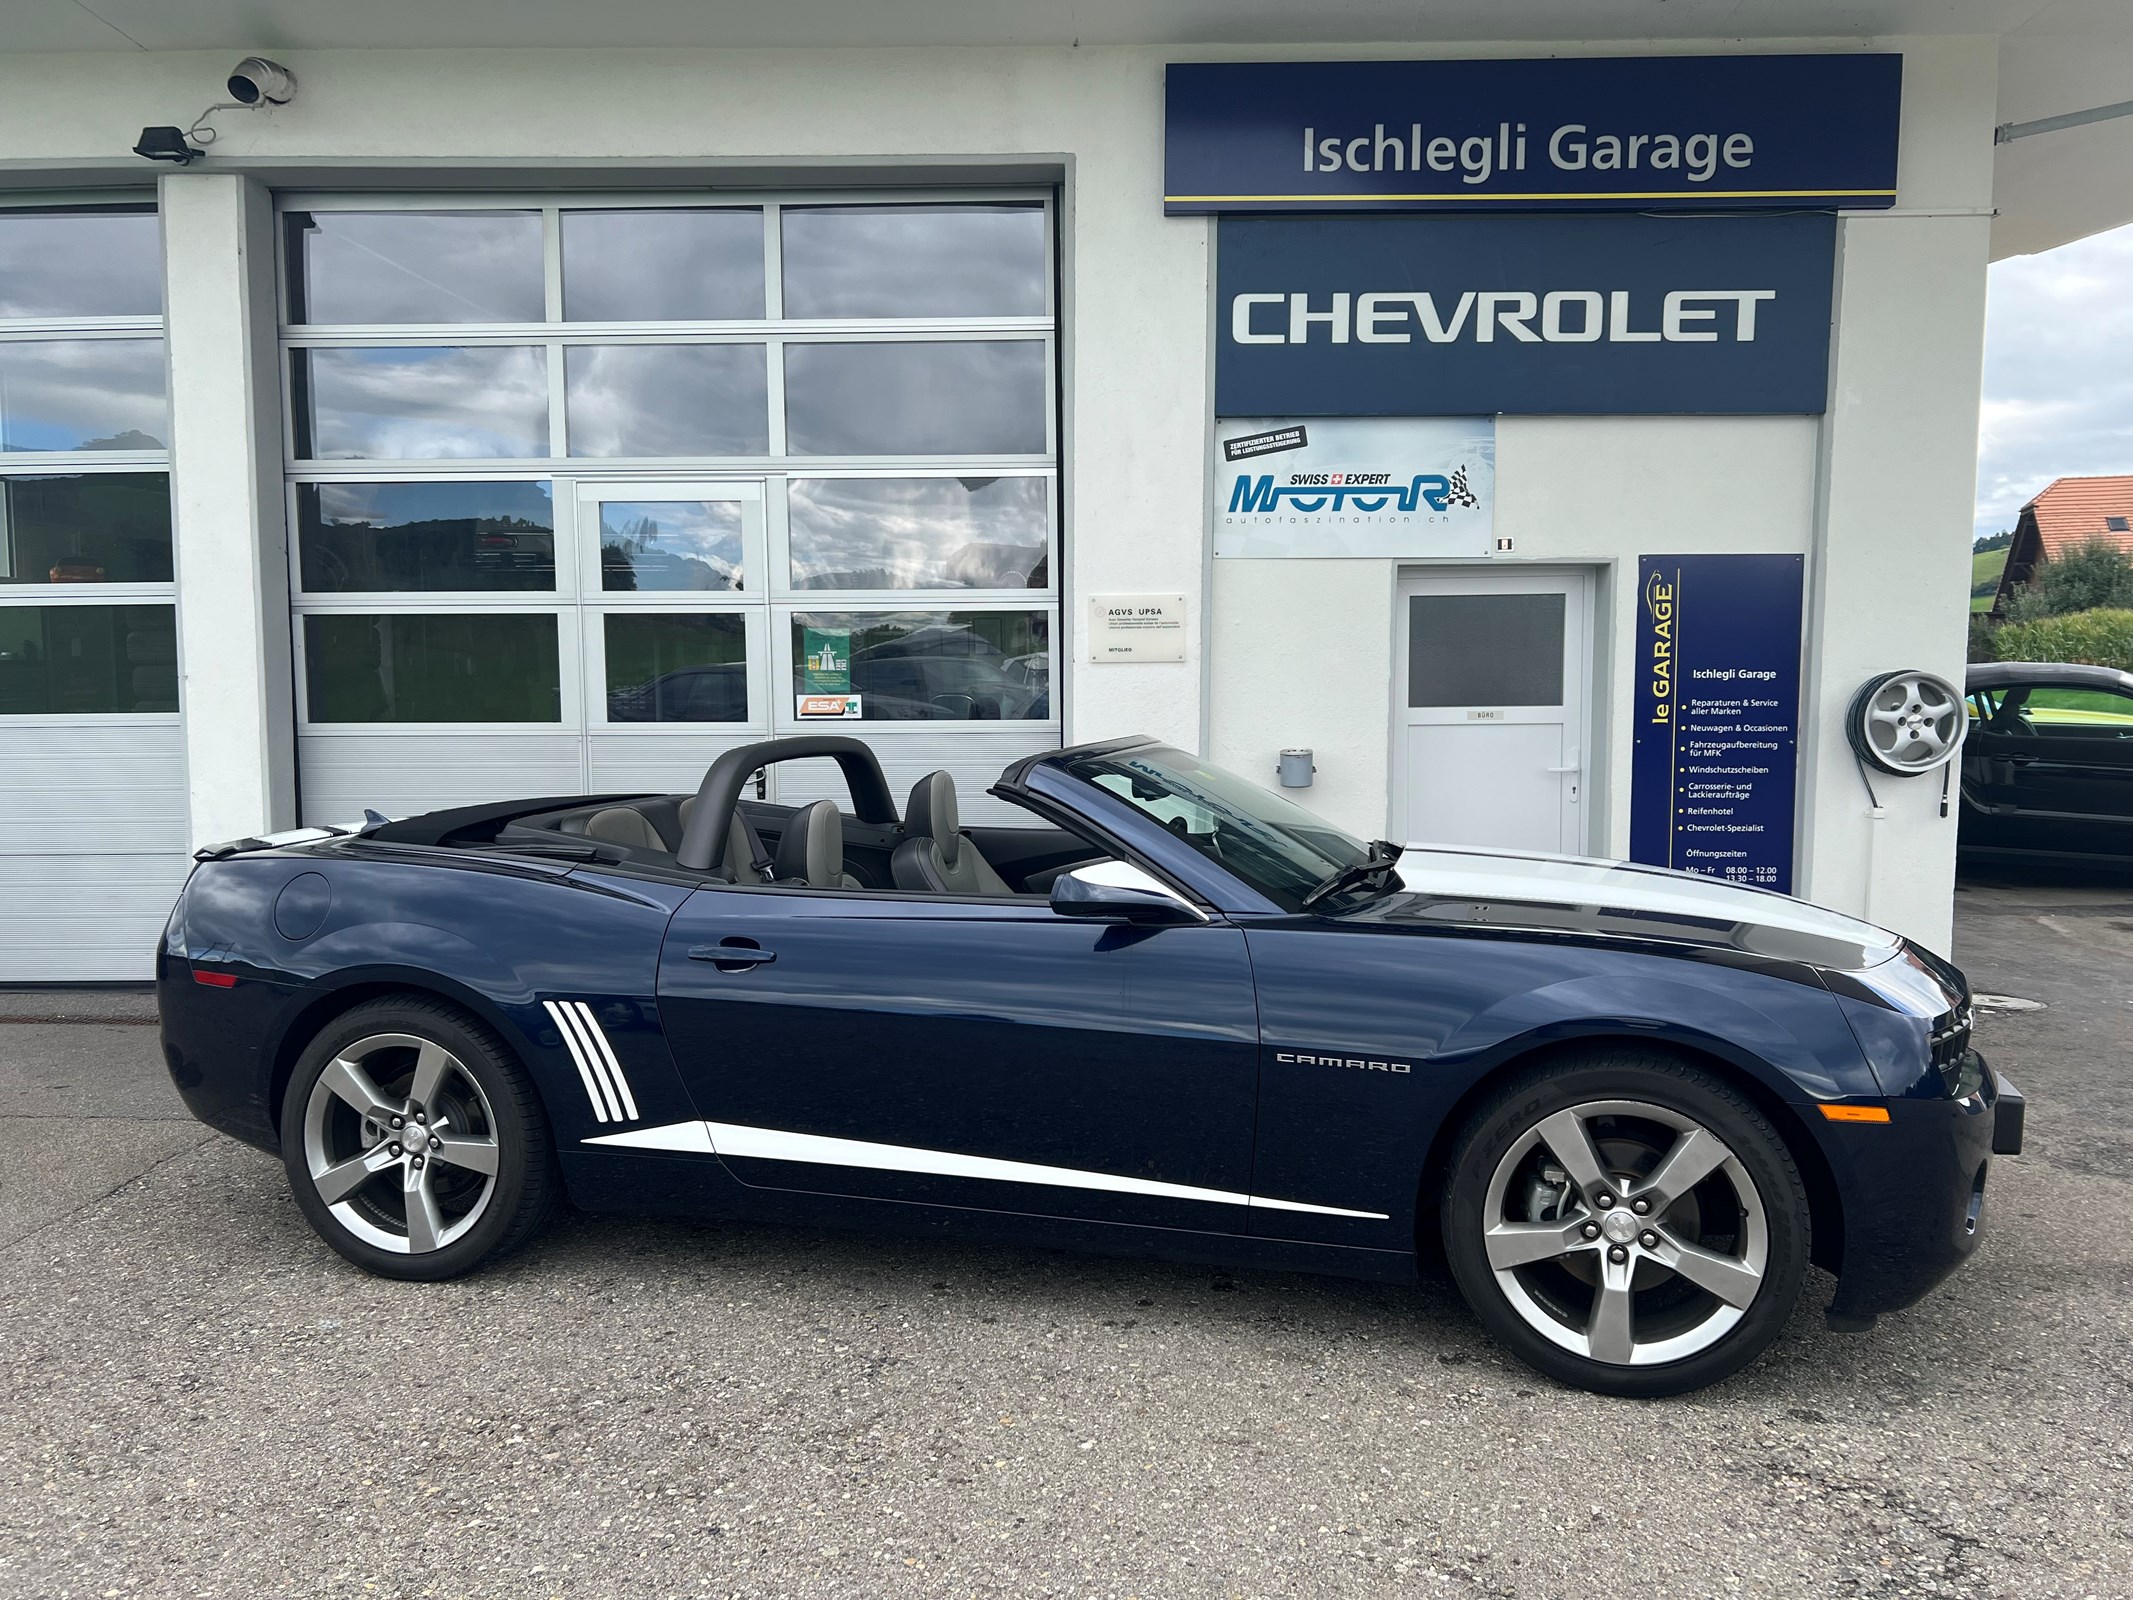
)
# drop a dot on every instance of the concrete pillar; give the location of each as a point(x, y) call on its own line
point(1889, 587)
point(1888, 584)
point(226, 494)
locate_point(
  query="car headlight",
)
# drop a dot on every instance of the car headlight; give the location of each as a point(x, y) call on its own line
point(1918, 985)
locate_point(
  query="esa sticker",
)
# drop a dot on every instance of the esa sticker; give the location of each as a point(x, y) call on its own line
point(828, 705)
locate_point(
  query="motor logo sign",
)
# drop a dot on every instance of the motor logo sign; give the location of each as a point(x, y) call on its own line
point(1393, 486)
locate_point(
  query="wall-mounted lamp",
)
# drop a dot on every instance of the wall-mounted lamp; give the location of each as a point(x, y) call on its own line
point(255, 82)
point(167, 144)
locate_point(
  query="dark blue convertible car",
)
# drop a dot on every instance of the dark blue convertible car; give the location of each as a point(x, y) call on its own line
point(1173, 1014)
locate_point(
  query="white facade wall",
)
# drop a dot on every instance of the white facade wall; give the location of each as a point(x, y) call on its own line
point(1876, 493)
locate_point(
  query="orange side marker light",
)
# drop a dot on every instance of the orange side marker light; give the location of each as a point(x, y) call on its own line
point(1856, 1113)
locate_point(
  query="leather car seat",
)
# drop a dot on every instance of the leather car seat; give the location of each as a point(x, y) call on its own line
point(935, 858)
point(811, 851)
point(624, 825)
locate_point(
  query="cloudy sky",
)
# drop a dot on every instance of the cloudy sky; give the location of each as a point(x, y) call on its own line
point(2058, 372)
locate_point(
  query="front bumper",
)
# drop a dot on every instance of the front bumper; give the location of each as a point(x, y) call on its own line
point(2008, 1113)
point(1914, 1193)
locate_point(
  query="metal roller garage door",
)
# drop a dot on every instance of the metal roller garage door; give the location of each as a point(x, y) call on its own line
point(92, 760)
point(585, 490)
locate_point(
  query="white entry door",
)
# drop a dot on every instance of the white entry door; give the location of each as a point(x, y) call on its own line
point(1489, 709)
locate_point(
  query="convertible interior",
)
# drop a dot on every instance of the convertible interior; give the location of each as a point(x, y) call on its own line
point(718, 834)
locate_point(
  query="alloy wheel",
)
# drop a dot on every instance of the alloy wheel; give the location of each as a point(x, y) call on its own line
point(400, 1143)
point(1625, 1232)
point(1912, 722)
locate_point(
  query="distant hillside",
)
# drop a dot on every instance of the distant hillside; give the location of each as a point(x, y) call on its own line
point(1985, 566)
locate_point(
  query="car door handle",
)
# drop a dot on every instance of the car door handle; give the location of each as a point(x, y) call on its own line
point(731, 956)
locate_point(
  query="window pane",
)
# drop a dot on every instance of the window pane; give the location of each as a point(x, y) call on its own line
point(667, 400)
point(670, 544)
point(82, 394)
point(417, 668)
point(675, 265)
point(433, 402)
point(1485, 650)
point(915, 261)
point(2066, 709)
point(378, 537)
point(982, 399)
point(80, 264)
point(928, 666)
point(414, 266)
point(919, 533)
point(677, 668)
point(88, 659)
point(102, 527)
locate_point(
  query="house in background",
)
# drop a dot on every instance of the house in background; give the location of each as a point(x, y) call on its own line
point(2067, 515)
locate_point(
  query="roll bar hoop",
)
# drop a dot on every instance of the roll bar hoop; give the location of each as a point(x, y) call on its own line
point(703, 842)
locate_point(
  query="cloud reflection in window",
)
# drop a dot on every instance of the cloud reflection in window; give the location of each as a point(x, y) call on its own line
point(82, 394)
point(433, 402)
point(80, 264)
point(974, 397)
point(919, 533)
point(667, 400)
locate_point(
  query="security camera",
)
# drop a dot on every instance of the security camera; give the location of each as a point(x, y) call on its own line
point(257, 81)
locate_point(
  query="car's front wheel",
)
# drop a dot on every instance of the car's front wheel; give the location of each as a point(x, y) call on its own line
point(415, 1144)
point(1627, 1223)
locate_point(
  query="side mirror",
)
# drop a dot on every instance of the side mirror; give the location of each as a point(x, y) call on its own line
point(1118, 891)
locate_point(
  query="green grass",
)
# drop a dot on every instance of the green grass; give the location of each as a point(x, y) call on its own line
point(1985, 567)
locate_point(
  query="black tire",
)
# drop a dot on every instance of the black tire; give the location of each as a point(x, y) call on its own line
point(494, 1099)
point(1769, 1225)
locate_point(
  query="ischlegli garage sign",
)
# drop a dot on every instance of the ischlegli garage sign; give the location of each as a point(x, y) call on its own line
point(1731, 133)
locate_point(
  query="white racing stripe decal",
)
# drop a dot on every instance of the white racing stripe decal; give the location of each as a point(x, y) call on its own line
point(613, 1075)
point(814, 1149)
point(577, 1055)
point(606, 1085)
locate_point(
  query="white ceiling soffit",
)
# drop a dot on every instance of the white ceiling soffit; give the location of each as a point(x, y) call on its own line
point(2057, 55)
point(741, 24)
point(2051, 188)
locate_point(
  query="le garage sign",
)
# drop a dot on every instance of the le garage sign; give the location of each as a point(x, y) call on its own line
point(1523, 313)
point(1717, 737)
point(1730, 133)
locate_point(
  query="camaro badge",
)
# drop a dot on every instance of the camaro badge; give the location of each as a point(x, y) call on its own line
point(1359, 1062)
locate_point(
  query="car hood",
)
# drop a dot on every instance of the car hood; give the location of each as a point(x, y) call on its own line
point(1586, 895)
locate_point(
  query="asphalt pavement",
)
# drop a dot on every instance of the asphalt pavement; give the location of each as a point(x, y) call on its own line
point(197, 1398)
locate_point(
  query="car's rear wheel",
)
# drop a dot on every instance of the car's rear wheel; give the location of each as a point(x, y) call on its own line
point(1627, 1223)
point(415, 1144)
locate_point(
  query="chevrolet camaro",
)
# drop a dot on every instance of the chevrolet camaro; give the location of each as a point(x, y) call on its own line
point(1171, 1013)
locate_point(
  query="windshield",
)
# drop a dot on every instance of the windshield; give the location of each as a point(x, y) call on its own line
point(1273, 844)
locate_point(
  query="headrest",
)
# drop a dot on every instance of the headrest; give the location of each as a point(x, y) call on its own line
point(932, 815)
point(812, 848)
point(622, 825)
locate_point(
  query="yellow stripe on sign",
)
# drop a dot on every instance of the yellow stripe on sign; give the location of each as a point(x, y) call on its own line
point(1656, 194)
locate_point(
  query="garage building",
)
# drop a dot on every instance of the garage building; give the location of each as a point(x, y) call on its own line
point(545, 405)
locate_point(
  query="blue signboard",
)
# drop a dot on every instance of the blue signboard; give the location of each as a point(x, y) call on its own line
point(1730, 133)
point(1473, 316)
point(1717, 736)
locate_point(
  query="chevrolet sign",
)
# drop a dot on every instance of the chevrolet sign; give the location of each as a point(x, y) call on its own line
point(1522, 313)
